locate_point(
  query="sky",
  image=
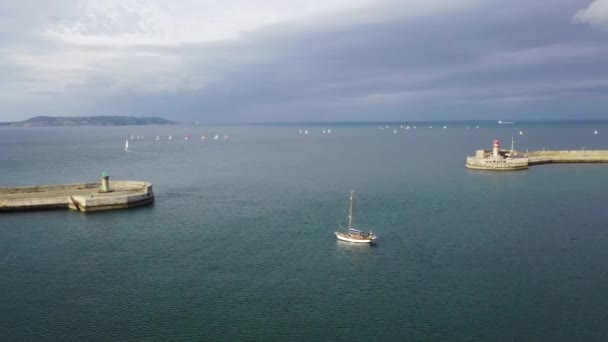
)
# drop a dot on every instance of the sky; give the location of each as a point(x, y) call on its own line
point(237, 61)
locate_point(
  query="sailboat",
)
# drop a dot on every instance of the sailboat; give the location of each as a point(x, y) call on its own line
point(170, 137)
point(352, 234)
point(157, 138)
point(127, 145)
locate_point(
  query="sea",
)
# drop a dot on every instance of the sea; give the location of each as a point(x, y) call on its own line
point(240, 246)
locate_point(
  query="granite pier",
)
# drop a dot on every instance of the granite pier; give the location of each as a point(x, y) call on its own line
point(498, 159)
point(78, 196)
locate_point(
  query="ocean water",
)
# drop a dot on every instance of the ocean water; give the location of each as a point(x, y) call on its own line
point(240, 246)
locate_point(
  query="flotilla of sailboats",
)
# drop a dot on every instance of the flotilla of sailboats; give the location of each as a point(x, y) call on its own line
point(170, 137)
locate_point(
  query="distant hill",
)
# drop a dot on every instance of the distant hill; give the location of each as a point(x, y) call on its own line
point(44, 121)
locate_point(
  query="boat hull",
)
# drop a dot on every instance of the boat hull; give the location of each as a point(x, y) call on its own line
point(348, 238)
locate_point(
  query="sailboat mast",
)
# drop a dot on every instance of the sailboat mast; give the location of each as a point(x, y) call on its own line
point(350, 209)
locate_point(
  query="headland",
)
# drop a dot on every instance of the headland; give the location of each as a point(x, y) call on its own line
point(60, 121)
point(77, 196)
point(497, 159)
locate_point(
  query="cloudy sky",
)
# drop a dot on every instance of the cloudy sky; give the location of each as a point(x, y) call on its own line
point(303, 60)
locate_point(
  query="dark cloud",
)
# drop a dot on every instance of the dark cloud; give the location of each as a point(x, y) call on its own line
point(480, 60)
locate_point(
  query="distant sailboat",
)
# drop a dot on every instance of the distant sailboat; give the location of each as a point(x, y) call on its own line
point(127, 145)
point(305, 131)
point(132, 136)
point(445, 127)
point(170, 137)
point(215, 137)
point(157, 138)
point(203, 137)
point(352, 234)
point(301, 131)
point(595, 132)
point(226, 137)
point(187, 137)
point(142, 136)
point(329, 131)
point(521, 132)
point(324, 131)
point(394, 131)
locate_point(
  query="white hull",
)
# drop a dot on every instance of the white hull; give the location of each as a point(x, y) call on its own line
point(349, 239)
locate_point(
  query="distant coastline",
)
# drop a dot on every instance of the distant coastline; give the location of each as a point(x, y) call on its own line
point(56, 121)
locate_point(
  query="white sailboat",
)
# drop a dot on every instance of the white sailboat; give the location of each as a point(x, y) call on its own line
point(127, 145)
point(157, 138)
point(215, 137)
point(595, 132)
point(352, 234)
point(170, 137)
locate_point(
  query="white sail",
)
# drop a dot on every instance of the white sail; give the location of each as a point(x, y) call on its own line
point(127, 145)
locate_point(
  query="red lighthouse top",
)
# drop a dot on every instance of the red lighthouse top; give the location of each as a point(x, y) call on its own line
point(496, 143)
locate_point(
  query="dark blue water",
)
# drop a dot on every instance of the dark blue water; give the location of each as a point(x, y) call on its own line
point(239, 244)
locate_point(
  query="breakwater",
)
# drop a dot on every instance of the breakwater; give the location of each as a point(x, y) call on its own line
point(578, 156)
point(507, 160)
point(77, 196)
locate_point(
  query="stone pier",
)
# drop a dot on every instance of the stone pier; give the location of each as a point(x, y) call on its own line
point(78, 196)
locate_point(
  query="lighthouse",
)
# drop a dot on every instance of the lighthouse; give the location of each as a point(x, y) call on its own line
point(495, 148)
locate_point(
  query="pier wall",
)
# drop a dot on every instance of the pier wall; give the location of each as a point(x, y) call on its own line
point(49, 188)
point(76, 196)
point(566, 156)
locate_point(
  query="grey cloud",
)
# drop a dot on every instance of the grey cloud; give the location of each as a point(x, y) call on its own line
point(483, 60)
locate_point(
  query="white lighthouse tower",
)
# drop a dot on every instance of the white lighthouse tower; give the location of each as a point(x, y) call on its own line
point(495, 148)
